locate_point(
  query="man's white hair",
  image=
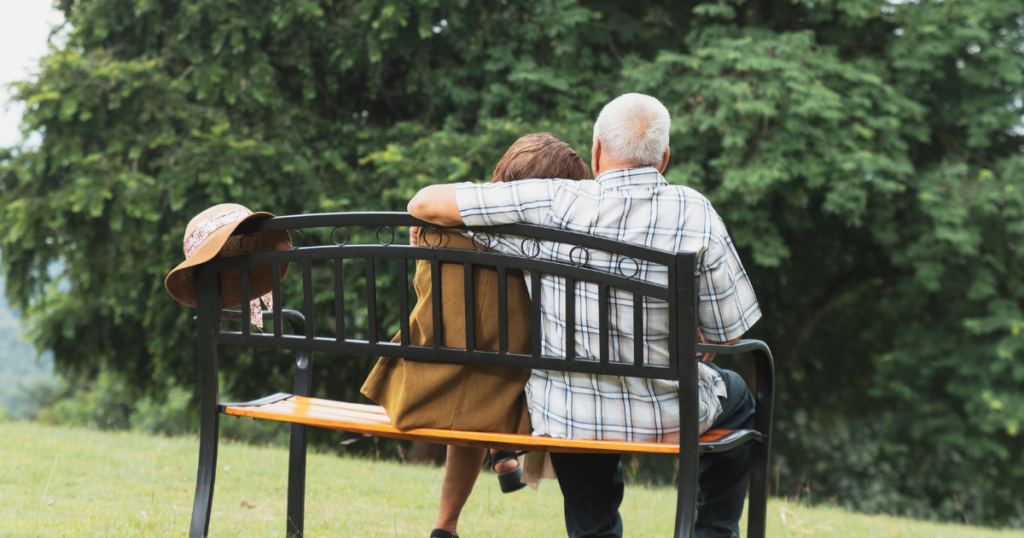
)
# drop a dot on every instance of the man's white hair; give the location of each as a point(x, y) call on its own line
point(633, 128)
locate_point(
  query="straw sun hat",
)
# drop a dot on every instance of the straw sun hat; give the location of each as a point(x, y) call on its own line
point(209, 235)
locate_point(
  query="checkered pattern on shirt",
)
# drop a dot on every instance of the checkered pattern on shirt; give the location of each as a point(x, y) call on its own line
point(636, 206)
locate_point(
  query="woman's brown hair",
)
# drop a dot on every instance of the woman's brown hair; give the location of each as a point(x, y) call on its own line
point(539, 155)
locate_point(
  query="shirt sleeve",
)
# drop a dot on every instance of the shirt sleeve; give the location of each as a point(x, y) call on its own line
point(727, 306)
point(491, 204)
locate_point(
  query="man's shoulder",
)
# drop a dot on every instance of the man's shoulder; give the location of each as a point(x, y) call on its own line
point(698, 211)
point(691, 192)
point(687, 192)
point(693, 196)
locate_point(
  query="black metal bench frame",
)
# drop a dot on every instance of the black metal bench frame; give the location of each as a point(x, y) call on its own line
point(680, 294)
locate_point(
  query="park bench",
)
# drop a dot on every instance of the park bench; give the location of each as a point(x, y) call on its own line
point(299, 409)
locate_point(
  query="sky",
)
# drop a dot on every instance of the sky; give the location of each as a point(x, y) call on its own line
point(24, 28)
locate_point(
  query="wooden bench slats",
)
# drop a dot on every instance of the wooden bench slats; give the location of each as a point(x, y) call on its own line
point(373, 420)
point(374, 409)
point(339, 414)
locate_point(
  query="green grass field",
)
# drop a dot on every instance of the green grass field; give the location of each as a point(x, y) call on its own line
point(58, 482)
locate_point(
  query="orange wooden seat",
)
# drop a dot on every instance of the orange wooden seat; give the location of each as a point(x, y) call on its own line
point(373, 420)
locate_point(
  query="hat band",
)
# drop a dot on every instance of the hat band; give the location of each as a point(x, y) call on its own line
point(205, 228)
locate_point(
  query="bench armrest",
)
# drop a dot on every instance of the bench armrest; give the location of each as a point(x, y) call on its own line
point(294, 317)
point(742, 346)
point(764, 370)
point(303, 381)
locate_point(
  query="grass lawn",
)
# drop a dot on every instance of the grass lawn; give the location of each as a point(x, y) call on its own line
point(58, 482)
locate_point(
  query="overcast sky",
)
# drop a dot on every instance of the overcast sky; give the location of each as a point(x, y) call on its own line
point(24, 28)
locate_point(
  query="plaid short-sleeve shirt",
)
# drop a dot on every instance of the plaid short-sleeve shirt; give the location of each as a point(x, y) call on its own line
point(637, 206)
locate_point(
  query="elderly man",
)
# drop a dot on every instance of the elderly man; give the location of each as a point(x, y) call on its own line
point(628, 201)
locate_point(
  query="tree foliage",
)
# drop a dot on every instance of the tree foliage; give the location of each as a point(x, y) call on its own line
point(866, 157)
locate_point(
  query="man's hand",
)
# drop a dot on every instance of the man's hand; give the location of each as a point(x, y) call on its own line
point(708, 357)
point(436, 204)
point(414, 232)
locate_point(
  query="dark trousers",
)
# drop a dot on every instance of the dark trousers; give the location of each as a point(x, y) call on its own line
point(592, 484)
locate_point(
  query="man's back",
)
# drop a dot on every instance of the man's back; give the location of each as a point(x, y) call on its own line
point(631, 205)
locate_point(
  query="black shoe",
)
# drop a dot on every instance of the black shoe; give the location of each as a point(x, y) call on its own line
point(438, 533)
point(510, 481)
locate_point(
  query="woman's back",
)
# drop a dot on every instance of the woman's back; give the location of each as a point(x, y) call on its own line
point(471, 397)
point(419, 394)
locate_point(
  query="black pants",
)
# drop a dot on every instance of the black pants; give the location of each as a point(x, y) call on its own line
point(592, 484)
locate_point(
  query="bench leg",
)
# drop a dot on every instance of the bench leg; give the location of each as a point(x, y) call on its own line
point(760, 453)
point(297, 450)
point(757, 509)
point(208, 310)
point(686, 502)
point(201, 506)
point(296, 481)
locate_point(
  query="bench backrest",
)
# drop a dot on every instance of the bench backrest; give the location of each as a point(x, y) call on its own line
point(679, 293)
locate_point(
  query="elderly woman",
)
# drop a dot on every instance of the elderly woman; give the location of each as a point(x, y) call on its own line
point(470, 397)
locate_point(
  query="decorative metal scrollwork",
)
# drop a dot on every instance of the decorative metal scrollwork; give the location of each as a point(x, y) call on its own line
point(581, 262)
point(423, 236)
point(536, 244)
point(636, 265)
point(348, 236)
point(291, 243)
point(255, 247)
point(390, 241)
point(486, 247)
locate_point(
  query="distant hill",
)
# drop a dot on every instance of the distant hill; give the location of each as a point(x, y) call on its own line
point(17, 360)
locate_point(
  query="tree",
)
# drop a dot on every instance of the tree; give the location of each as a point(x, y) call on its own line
point(866, 157)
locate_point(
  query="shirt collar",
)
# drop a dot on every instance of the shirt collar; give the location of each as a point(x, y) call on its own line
point(631, 177)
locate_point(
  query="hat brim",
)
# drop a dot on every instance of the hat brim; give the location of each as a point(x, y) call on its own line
point(180, 282)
